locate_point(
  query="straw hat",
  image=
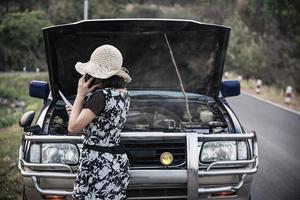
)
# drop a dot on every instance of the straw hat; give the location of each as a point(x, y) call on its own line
point(105, 62)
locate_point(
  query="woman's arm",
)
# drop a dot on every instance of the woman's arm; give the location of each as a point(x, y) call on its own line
point(80, 118)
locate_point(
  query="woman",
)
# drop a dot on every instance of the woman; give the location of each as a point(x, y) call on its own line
point(103, 167)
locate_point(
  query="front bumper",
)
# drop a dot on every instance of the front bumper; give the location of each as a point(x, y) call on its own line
point(191, 178)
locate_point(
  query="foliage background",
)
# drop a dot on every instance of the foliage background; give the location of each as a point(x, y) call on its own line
point(264, 43)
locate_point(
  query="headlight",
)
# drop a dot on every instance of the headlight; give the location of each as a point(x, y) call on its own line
point(35, 153)
point(54, 153)
point(223, 150)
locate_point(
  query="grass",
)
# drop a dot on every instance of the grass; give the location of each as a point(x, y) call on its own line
point(14, 86)
point(270, 93)
point(3, 110)
point(10, 178)
point(8, 120)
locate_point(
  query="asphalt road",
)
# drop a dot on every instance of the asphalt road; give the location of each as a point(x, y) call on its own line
point(278, 132)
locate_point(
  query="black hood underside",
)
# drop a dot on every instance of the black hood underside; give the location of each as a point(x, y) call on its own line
point(199, 51)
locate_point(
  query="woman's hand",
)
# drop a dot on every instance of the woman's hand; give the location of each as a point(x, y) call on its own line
point(69, 109)
point(83, 87)
point(80, 118)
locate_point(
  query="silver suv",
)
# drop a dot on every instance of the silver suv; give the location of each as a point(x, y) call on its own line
point(181, 136)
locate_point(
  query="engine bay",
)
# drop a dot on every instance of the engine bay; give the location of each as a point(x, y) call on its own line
point(157, 114)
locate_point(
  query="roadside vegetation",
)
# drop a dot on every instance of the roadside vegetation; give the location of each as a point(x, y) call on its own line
point(10, 178)
point(14, 101)
point(14, 98)
point(274, 94)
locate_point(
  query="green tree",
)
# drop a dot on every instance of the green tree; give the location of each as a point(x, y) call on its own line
point(281, 37)
point(105, 9)
point(21, 40)
point(65, 11)
point(245, 50)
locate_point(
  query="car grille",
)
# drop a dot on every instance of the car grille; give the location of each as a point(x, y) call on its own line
point(157, 194)
point(147, 153)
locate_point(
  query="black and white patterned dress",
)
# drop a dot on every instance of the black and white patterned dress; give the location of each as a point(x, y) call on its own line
point(104, 175)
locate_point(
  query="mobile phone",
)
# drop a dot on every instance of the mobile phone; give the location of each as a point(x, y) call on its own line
point(87, 77)
point(67, 102)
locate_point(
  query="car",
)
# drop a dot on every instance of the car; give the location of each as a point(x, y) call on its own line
point(181, 135)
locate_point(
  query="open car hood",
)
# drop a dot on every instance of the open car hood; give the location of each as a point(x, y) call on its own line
point(199, 50)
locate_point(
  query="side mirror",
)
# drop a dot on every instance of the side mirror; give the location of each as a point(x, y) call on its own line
point(26, 119)
point(230, 88)
point(39, 89)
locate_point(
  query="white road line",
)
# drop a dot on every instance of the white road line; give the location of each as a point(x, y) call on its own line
point(272, 103)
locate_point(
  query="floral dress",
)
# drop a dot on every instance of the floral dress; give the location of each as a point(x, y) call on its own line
point(103, 175)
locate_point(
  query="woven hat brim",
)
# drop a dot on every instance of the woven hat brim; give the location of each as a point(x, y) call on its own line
point(124, 75)
point(97, 71)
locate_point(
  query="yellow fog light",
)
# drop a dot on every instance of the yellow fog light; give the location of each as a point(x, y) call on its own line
point(166, 158)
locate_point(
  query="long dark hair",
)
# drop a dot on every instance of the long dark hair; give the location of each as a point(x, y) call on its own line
point(111, 82)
